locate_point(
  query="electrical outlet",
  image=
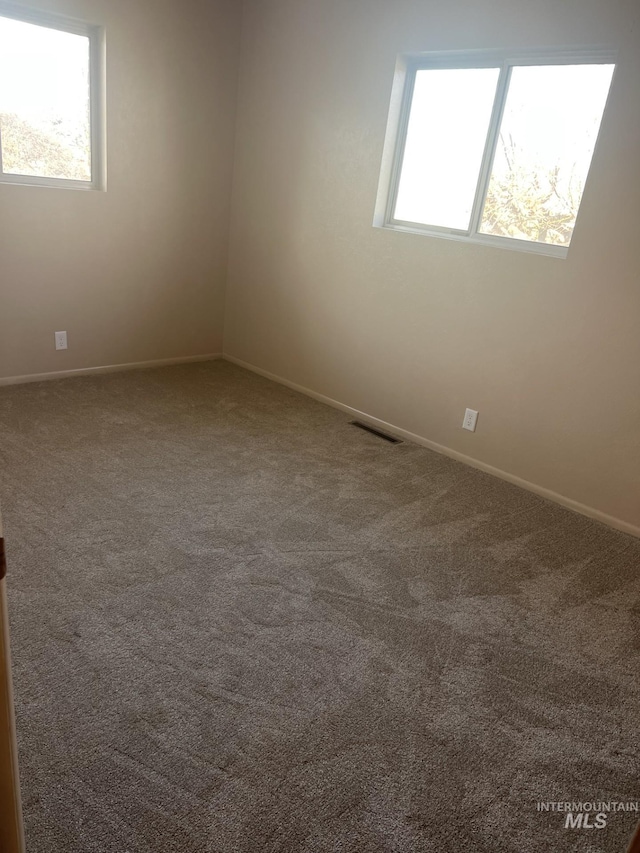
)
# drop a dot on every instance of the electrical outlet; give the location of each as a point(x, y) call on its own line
point(470, 420)
point(61, 340)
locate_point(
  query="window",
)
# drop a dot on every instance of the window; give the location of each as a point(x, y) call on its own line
point(493, 149)
point(50, 101)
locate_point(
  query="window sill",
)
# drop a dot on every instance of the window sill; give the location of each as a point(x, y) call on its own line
point(50, 183)
point(479, 239)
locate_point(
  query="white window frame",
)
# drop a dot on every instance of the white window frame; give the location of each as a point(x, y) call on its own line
point(398, 123)
point(95, 34)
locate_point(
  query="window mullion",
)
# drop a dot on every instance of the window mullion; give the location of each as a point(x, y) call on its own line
point(502, 90)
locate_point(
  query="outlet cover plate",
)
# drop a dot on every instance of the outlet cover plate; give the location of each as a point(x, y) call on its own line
point(470, 420)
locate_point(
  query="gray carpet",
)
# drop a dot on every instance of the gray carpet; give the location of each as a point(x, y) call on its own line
point(241, 624)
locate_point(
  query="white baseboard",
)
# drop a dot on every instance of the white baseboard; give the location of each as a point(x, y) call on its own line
point(109, 368)
point(541, 491)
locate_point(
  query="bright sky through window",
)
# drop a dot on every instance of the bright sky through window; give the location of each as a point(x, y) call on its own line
point(450, 114)
point(45, 127)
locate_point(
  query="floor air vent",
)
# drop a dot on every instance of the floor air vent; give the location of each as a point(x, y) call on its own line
point(384, 435)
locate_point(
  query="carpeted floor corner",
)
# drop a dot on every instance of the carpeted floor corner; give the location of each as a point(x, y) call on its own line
point(240, 624)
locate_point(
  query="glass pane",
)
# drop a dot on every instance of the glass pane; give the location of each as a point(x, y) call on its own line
point(547, 136)
point(448, 125)
point(44, 102)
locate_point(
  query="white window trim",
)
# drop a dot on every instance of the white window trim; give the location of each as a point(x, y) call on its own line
point(95, 34)
point(398, 122)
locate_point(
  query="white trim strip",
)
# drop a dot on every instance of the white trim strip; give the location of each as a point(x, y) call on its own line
point(13, 770)
point(541, 491)
point(109, 368)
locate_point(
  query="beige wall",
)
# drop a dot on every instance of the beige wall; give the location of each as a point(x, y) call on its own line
point(136, 273)
point(412, 329)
